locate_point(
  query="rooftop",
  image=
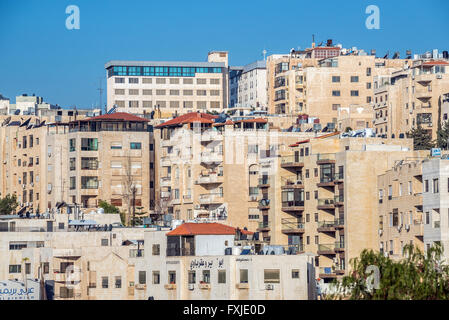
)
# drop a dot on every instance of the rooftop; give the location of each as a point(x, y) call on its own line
point(162, 64)
point(118, 116)
point(189, 118)
point(190, 229)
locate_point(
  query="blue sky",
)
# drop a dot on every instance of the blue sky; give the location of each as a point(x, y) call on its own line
point(39, 55)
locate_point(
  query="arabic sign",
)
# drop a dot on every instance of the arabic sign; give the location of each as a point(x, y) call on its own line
point(16, 290)
point(201, 263)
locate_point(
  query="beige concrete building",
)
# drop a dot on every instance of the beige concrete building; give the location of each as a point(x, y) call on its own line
point(410, 97)
point(216, 171)
point(401, 207)
point(168, 88)
point(72, 259)
point(46, 164)
point(323, 199)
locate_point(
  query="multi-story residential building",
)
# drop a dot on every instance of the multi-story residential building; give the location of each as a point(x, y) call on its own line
point(212, 261)
point(73, 259)
point(401, 207)
point(410, 97)
point(435, 202)
point(79, 162)
point(354, 117)
point(215, 170)
point(323, 200)
point(168, 88)
point(248, 86)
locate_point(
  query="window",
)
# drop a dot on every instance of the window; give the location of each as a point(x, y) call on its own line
point(65, 292)
point(72, 164)
point(89, 144)
point(104, 282)
point(133, 80)
point(271, 275)
point(89, 182)
point(116, 145)
point(335, 78)
point(72, 143)
point(426, 185)
point(15, 268)
point(206, 276)
point(104, 242)
point(72, 183)
point(435, 186)
point(354, 78)
point(118, 282)
point(295, 274)
point(156, 249)
point(89, 163)
point(156, 277)
point(142, 277)
point(136, 145)
point(46, 267)
point(119, 80)
point(354, 93)
point(335, 93)
point(221, 276)
point(243, 275)
point(192, 277)
point(172, 277)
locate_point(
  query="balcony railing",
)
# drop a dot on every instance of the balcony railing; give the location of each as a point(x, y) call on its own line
point(326, 248)
point(292, 181)
point(339, 198)
point(210, 157)
point(327, 202)
point(211, 198)
point(289, 224)
point(209, 178)
point(264, 181)
point(339, 245)
point(292, 204)
point(292, 161)
point(264, 225)
point(326, 224)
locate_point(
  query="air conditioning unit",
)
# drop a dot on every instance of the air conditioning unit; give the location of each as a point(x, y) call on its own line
point(439, 76)
point(407, 227)
point(430, 124)
point(23, 186)
point(298, 182)
point(49, 154)
point(191, 286)
point(380, 232)
point(400, 228)
point(269, 287)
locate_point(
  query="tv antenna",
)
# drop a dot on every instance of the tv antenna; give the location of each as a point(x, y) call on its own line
point(264, 52)
point(100, 89)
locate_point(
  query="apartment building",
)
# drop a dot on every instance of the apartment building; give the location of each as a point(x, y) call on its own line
point(211, 170)
point(248, 86)
point(435, 202)
point(168, 88)
point(72, 259)
point(324, 199)
point(334, 83)
point(211, 261)
point(66, 162)
point(410, 97)
point(401, 207)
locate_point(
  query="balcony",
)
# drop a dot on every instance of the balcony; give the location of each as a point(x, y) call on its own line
point(326, 249)
point(165, 181)
point(339, 200)
point(211, 135)
point(211, 198)
point(340, 223)
point(423, 94)
point(292, 182)
point(339, 246)
point(339, 177)
point(329, 272)
point(292, 161)
point(424, 78)
point(292, 226)
point(209, 178)
point(211, 157)
point(326, 181)
point(326, 226)
point(294, 205)
point(263, 226)
point(326, 204)
point(325, 158)
point(165, 161)
point(264, 182)
point(264, 204)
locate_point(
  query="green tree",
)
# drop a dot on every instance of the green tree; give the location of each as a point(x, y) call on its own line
point(109, 208)
point(418, 276)
point(443, 136)
point(348, 129)
point(8, 204)
point(422, 139)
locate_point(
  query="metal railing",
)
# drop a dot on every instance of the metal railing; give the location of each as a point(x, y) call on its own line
point(264, 180)
point(264, 224)
point(339, 245)
point(292, 180)
point(326, 247)
point(292, 159)
point(291, 223)
point(326, 202)
point(293, 203)
point(339, 198)
point(326, 224)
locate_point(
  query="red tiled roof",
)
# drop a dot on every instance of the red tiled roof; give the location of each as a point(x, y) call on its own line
point(228, 122)
point(123, 116)
point(433, 63)
point(189, 118)
point(191, 229)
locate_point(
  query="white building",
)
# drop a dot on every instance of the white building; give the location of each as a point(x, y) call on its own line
point(248, 86)
point(202, 261)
